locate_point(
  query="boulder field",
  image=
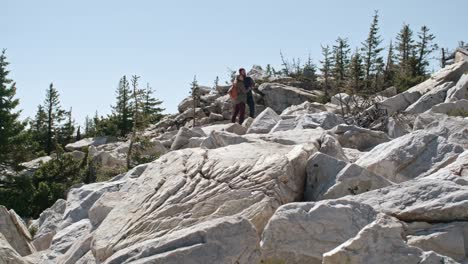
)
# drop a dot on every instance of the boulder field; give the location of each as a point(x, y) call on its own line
point(296, 184)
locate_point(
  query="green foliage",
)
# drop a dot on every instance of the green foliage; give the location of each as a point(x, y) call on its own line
point(341, 61)
point(326, 68)
point(356, 74)
point(151, 110)
point(309, 71)
point(305, 74)
point(54, 116)
point(122, 111)
point(67, 131)
point(272, 261)
point(458, 112)
point(373, 61)
point(38, 129)
point(413, 57)
point(196, 97)
point(141, 155)
point(29, 195)
point(105, 174)
point(424, 46)
point(33, 231)
point(11, 129)
point(390, 67)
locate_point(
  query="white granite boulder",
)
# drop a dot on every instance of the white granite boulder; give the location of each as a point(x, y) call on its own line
point(410, 156)
point(382, 241)
point(47, 224)
point(363, 139)
point(431, 98)
point(279, 96)
point(15, 232)
point(302, 232)
point(459, 91)
point(264, 122)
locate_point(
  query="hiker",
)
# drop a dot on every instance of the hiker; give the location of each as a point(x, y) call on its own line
point(249, 85)
point(239, 97)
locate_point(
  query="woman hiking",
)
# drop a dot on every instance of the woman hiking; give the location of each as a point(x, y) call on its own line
point(241, 98)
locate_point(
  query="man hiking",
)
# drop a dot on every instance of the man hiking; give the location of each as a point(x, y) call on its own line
point(249, 85)
point(241, 97)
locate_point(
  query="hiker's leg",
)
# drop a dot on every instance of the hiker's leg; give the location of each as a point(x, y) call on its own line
point(242, 113)
point(235, 112)
point(251, 103)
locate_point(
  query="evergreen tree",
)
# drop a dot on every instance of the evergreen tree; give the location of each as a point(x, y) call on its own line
point(68, 129)
point(90, 128)
point(10, 127)
point(406, 75)
point(341, 52)
point(326, 68)
point(54, 117)
point(443, 57)
point(135, 119)
point(371, 53)
point(150, 106)
point(310, 71)
point(389, 72)
point(123, 108)
point(424, 47)
point(269, 70)
point(195, 93)
point(356, 74)
point(286, 70)
point(78, 134)
point(216, 84)
point(405, 47)
point(38, 128)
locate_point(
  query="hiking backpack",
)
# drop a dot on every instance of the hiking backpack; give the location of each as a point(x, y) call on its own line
point(233, 92)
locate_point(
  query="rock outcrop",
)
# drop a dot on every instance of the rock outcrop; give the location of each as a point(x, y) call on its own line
point(279, 97)
point(264, 122)
point(296, 184)
point(359, 138)
point(15, 233)
point(47, 225)
point(410, 156)
point(189, 187)
point(382, 241)
point(303, 232)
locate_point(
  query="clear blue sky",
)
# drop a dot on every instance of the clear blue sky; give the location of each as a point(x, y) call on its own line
point(84, 46)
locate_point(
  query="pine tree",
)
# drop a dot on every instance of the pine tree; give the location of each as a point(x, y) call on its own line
point(405, 47)
point(78, 134)
point(389, 72)
point(68, 129)
point(269, 70)
point(406, 75)
point(54, 117)
point(10, 126)
point(326, 68)
point(151, 109)
point(90, 128)
point(341, 52)
point(123, 108)
point(424, 47)
point(195, 93)
point(38, 129)
point(371, 53)
point(135, 119)
point(443, 58)
point(356, 73)
point(310, 71)
point(286, 70)
point(216, 84)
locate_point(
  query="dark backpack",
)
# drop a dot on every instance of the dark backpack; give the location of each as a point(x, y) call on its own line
point(249, 82)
